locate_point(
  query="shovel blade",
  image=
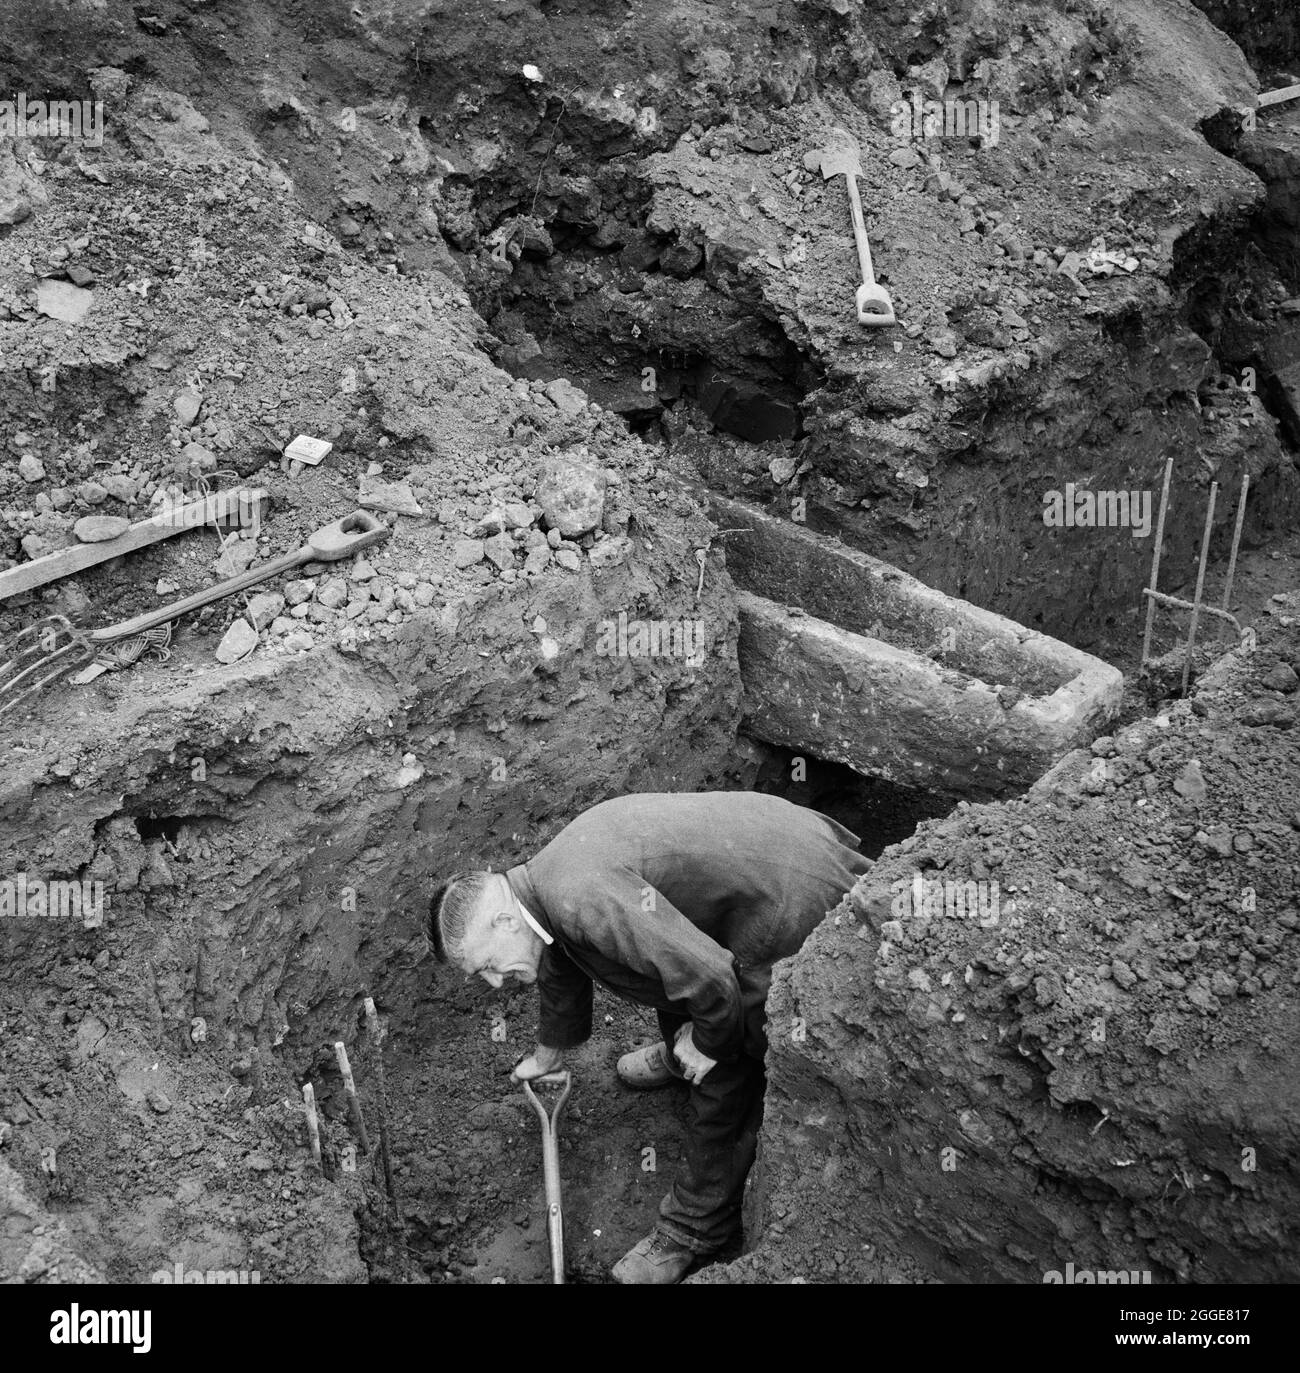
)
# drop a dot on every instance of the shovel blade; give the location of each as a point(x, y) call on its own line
point(841, 158)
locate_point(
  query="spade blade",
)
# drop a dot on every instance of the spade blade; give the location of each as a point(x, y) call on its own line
point(841, 157)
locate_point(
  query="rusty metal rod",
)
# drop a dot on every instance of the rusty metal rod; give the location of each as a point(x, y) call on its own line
point(354, 1102)
point(1155, 560)
point(1236, 538)
point(1200, 584)
point(1165, 599)
point(313, 1124)
point(376, 1032)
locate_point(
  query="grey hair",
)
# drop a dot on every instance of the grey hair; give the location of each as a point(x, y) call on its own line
point(450, 909)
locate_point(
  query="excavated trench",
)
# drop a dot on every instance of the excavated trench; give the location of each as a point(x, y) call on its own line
point(268, 838)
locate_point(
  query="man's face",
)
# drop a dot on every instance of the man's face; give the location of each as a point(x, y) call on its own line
point(498, 943)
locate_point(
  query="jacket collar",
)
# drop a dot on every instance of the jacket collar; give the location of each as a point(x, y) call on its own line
point(534, 912)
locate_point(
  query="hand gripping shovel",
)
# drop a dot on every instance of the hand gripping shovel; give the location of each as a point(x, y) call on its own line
point(875, 309)
point(44, 651)
point(551, 1166)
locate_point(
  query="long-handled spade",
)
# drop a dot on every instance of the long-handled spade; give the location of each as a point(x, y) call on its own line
point(875, 309)
point(551, 1165)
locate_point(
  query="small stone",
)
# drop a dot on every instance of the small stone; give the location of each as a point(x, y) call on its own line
point(100, 528)
point(1190, 783)
point(424, 593)
point(500, 551)
point(264, 608)
point(166, 587)
point(235, 558)
point(781, 470)
point(333, 594)
point(282, 625)
point(565, 396)
point(91, 493)
point(1217, 841)
point(1222, 984)
point(30, 468)
point(187, 406)
point(569, 558)
point(120, 487)
point(158, 1101)
point(240, 640)
point(63, 301)
point(466, 552)
point(362, 571)
point(610, 552)
point(195, 458)
point(299, 640)
point(295, 593)
point(396, 498)
point(35, 546)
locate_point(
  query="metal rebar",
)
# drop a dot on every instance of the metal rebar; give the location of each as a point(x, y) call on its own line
point(313, 1125)
point(1164, 598)
point(1155, 560)
point(376, 1032)
point(1200, 584)
point(1236, 538)
point(354, 1101)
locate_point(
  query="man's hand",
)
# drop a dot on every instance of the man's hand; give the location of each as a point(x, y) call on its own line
point(541, 1061)
point(694, 1064)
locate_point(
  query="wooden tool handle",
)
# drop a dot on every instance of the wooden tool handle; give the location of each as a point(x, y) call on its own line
point(192, 515)
point(860, 231)
point(151, 619)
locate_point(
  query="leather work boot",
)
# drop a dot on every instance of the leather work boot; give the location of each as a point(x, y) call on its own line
point(652, 1066)
point(657, 1261)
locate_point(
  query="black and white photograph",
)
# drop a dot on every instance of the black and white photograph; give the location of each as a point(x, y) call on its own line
point(649, 645)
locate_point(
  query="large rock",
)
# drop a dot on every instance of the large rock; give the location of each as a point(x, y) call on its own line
point(572, 496)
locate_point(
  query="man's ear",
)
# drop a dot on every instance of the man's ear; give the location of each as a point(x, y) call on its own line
point(506, 920)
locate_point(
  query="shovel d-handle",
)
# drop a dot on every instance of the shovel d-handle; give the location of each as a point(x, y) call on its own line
point(550, 1122)
point(343, 538)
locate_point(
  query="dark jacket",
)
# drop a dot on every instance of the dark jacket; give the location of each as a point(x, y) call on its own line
point(681, 901)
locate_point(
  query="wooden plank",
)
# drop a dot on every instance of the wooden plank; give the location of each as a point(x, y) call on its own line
point(1278, 96)
point(192, 515)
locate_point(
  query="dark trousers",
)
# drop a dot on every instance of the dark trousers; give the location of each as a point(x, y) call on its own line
point(702, 1211)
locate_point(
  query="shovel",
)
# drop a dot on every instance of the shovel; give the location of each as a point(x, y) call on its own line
point(875, 309)
point(551, 1165)
point(46, 650)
